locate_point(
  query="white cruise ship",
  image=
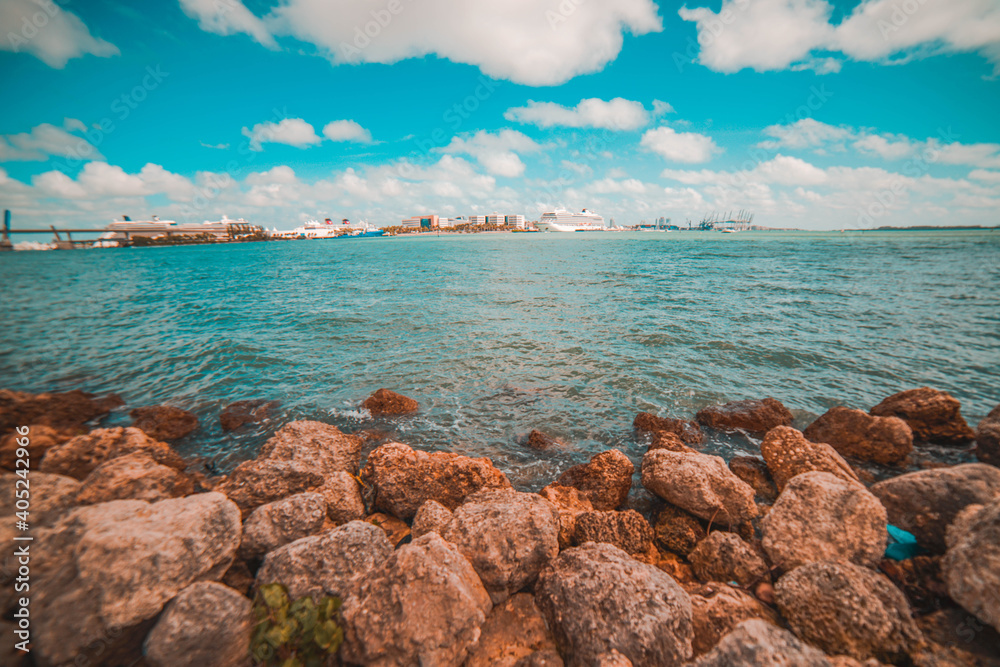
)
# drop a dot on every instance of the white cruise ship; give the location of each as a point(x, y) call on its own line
point(561, 220)
point(126, 227)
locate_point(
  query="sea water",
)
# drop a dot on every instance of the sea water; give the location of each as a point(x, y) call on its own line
point(497, 334)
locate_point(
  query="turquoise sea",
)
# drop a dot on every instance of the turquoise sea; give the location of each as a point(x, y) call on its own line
point(497, 334)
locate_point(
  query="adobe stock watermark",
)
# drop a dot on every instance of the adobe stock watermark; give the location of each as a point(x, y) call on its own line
point(565, 9)
point(33, 24)
point(708, 32)
point(900, 16)
point(370, 30)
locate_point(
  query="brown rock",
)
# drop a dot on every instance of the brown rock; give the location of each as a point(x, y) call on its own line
point(261, 481)
point(403, 478)
point(424, 605)
point(571, 502)
point(164, 422)
point(540, 441)
point(239, 577)
point(756, 417)
point(955, 629)
point(543, 658)
point(716, 610)
point(206, 624)
point(386, 402)
point(276, 524)
point(788, 454)
point(971, 568)
point(40, 439)
point(676, 567)
point(605, 481)
point(628, 530)
point(133, 476)
point(67, 411)
point(988, 438)
point(316, 446)
point(886, 440)
point(597, 598)
point(432, 517)
point(932, 415)
point(514, 630)
point(507, 536)
point(754, 472)
point(677, 531)
point(51, 495)
point(757, 643)
point(668, 440)
point(724, 557)
point(612, 659)
point(822, 517)
point(700, 484)
point(688, 431)
point(249, 411)
point(849, 610)
point(79, 456)
point(343, 498)
point(924, 503)
point(395, 529)
point(919, 578)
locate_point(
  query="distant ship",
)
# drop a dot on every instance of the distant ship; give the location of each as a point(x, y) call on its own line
point(561, 220)
point(315, 229)
point(126, 228)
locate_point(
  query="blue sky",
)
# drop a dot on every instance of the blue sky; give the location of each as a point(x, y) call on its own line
point(813, 115)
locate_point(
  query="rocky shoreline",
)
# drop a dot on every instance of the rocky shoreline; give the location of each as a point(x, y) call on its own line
point(319, 551)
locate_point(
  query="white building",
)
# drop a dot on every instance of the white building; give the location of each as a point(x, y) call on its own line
point(515, 221)
point(496, 219)
point(477, 219)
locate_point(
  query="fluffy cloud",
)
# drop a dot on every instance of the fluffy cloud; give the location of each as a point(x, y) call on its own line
point(45, 140)
point(346, 130)
point(616, 114)
point(686, 147)
point(49, 33)
point(769, 35)
point(806, 133)
point(102, 180)
point(515, 39)
point(497, 153)
point(228, 17)
point(291, 131)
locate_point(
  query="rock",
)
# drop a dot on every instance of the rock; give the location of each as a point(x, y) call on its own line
point(133, 476)
point(971, 568)
point(788, 454)
point(507, 536)
point(66, 411)
point(822, 517)
point(688, 431)
point(955, 629)
point(314, 446)
point(886, 440)
point(343, 498)
point(40, 439)
point(988, 438)
point(754, 472)
point(628, 530)
point(395, 529)
point(164, 422)
point(725, 557)
point(261, 481)
point(514, 630)
point(543, 658)
point(326, 564)
point(612, 659)
point(540, 441)
point(677, 531)
point(678, 569)
point(597, 598)
point(570, 502)
point(757, 643)
point(668, 440)
point(249, 411)
point(847, 609)
point(206, 624)
point(432, 517)
point(386, 402)
point(605, 481)
point(924, 503)
point(79, 456)
point(403, 478)
point(756, 417)
point(10, 656)
point(104, 572)
point(919, 578)
point(239, 577)
point(51, 495)
point(716, 611)
point(424, 605)
point(933, 416)
point(276, 524)
point(700, 484)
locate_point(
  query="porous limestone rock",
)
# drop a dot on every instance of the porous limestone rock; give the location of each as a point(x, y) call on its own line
point(276, 524)
point(688, 431)
point(164, 422)
point(716, 611)
point(988, 438)
point(886, 440)
point(79, 456)
point(248, 411)
point(757, 643)
point(387, 402)
point(971, 568)
point(62, 411)
point(605, 481)
point(343, 498)
point(50, 495)
point(432, 517)
point(627, 530)
point(725, 557)
point(678, 531)
point(933, 416)
point(513, 630)
point(756, 417)
point(700, 484)
point(788, 453)
point(754, 472)
point(571, 503)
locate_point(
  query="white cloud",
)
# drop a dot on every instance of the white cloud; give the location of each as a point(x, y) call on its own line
point(661, 108)
point(291, 131)
point(49, 33)
point(102, 180)
point(806, 133)
point(616, 114)
point(228, 17)
point(520, 40)
point(985, 175)
point(45, 140)
point(497, 153)
point(686, 147)
point(346, 130)
point(767, 35)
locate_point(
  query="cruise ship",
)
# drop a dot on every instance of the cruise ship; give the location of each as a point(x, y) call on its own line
point(126, 228)
point(315, 229)
point(561, 220)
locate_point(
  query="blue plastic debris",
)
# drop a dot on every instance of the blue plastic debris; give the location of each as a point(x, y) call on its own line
point(902, 544)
